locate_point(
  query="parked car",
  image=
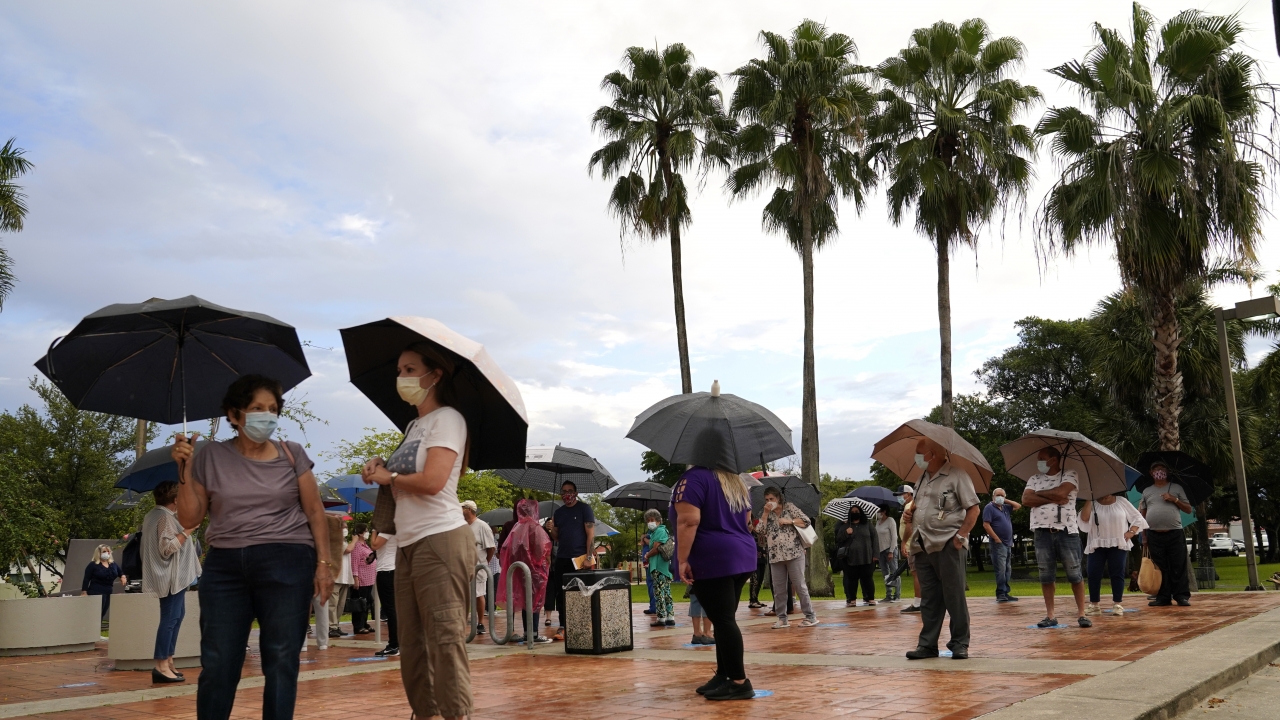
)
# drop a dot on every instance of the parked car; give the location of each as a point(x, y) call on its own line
point(1222, 544)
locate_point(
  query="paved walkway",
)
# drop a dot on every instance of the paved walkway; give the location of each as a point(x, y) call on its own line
point(852, 664)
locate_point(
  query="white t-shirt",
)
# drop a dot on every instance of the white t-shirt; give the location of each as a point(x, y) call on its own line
point(418, 516)
point(1056, 517)
point(387, 554)
point(484, 540)
point(345, 577)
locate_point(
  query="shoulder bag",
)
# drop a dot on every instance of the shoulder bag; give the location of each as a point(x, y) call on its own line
point(1149, 575)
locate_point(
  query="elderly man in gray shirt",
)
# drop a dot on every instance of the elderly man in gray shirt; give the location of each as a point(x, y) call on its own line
point(937, 528)
point(1162, 505)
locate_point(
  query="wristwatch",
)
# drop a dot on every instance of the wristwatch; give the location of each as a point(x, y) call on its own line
point(394, 475)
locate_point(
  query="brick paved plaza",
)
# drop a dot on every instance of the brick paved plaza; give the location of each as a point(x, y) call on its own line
point(851, 665)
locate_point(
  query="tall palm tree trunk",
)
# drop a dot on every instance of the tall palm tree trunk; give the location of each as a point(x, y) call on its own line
point(677, 283)
point(818, 569)
point(944, 328)
point(1167, 384)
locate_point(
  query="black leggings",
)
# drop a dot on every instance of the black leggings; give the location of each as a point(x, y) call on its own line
point(859, 574)
point(719, 598)
point(387, 596)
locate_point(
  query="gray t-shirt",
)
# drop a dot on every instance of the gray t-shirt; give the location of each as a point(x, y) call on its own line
point(252, 502)
point(1162, 515)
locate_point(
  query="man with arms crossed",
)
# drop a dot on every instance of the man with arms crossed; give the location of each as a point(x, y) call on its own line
point(1051, 495)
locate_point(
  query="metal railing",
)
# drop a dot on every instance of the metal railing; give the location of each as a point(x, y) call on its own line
point(530, 628)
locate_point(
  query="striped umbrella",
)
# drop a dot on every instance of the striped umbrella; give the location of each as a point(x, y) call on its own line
point(839, 508)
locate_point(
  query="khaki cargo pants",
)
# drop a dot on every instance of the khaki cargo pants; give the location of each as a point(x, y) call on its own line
point(433, 591)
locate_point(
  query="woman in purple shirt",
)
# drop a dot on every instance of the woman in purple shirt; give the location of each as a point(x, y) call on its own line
point(717, 554)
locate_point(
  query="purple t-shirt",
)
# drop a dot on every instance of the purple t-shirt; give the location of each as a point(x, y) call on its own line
point(723, 546)
point(252, 502)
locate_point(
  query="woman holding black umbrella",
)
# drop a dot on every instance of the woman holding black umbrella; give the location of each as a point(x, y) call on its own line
point(435, 563)
point(857, 546)
point(268, 548)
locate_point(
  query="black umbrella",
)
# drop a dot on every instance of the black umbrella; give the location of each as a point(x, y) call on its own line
point(496, 421)
point(169, 361)
point(712, 430)
point(329, 497)
point(1195, 477)
point(547, 507)
point(547, 468)
point(497, 517)
point(881, 497)
point(797, 491)
point(640, 496)
point(152, 469)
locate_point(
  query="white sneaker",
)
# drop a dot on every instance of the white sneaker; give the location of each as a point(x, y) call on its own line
point(1092, 609)
point(1117, 609)
point(782, 623)
point(808, 622)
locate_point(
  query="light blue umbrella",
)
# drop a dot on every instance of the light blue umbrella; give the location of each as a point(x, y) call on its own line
point(348, 486)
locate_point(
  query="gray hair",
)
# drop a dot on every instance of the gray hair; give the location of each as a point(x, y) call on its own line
point(652, 514)
point(998, 490)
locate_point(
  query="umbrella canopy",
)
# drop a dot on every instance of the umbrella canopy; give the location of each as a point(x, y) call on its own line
point(797, 491)
point(547, 507)
point(1195, 477)
point(839, 508)
point(897, 451)
point(1098, 471)
point(881, 497)
point(349, 487)
point(604, 530)
point(370, 495)
point(497, 424)
point(712, 430)
point(330, 497)
point(153, 468)
point(640, 496)
point(169, 361)
point(126, 500)
point(547, 468)
point(497, 517)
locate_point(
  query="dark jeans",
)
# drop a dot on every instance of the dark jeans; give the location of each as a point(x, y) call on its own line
point(942, 580)
point(1116, 563)
point(360, 617)
point(558, 569)
point(387, 596)
point(106, 600)
point(719, 598)
point(855, 575)
point(1002, 560)
point(272, 583)
point(1169, 553)
point(172, 609)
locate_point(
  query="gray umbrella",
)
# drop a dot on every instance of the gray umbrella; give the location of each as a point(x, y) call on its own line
point(713, 430)
point(127, 500)
point(795, 490)
point(497, 517)
point(547, 468)
point(640, 496)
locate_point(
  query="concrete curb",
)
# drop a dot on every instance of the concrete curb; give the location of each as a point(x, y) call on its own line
point(1164, 684)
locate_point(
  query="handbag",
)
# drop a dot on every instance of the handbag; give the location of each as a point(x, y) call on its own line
point(1149, 575)
point(667, 549)
point(384, 511)
point(808, 536)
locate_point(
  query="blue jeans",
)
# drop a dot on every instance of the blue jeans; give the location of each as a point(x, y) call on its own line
point(653, 608)
point(273, 583)
point(1116, 561)
point(1054, 546)
point(889, 565)
point(1002, 560)
point(172, 609)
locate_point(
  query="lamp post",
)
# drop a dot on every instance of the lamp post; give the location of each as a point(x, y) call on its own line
point(1255, 309)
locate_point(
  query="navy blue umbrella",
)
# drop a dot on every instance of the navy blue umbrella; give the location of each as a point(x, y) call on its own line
point(881, 497)
point(169, 361)
point(152, 469)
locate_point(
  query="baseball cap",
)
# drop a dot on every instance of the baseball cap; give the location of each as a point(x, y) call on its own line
point(906, 489)
point(470, 505)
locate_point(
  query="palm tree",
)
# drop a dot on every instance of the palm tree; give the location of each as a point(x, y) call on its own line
point(13, 207)
point(802, 106)
point(1161, 162)
point(945, 135)
point(666, 116)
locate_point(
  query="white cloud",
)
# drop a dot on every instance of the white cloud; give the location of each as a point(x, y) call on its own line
point(356, 224)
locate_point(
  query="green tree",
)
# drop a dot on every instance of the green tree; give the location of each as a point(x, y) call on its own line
point(665, 117)
point(13, 207)
point(350, 456)
point(659, 470)
point(1160, 164)
point(67, 460)
point(801, 108)
point(946, 135)
point(487, 490)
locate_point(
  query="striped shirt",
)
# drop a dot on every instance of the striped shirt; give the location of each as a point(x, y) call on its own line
point(168, 565)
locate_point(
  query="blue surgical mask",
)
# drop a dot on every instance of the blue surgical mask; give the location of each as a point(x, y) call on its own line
point(921, 462)
point(258, 426)
point(1042, 466)
point(999, 499)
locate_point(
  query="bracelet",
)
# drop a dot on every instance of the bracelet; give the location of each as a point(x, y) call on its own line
point(326, 562)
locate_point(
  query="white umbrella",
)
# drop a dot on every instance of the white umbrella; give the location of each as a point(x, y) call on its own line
point(839, 508)
point(1099, 472)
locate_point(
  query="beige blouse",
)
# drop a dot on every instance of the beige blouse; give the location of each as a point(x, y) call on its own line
point(168, 565)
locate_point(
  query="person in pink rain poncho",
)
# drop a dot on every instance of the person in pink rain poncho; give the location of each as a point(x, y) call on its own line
point(527, 543)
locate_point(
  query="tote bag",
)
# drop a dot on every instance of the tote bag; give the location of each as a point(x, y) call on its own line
point(1149, 576)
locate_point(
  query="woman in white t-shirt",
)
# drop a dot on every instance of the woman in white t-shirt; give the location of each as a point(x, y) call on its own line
point(385, 581)
point(436, 553)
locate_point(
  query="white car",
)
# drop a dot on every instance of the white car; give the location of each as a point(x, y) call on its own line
point(1222, 544)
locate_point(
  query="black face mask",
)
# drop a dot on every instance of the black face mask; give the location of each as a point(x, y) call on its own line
point(855, 517)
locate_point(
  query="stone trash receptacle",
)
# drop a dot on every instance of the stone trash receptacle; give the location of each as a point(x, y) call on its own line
point(597, 612)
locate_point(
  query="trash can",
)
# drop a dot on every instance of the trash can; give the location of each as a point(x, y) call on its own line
point(597, 610)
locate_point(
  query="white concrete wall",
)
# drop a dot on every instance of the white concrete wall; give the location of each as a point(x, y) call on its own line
point(56, 624)
point(134, 619)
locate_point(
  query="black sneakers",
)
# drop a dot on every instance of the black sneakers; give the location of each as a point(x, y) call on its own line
point(388, 651)
point(729, 690)
point(715, 682)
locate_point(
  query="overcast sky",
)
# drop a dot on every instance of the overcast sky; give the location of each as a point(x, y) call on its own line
point(334, 163)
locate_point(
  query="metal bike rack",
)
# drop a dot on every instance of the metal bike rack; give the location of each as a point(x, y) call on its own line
point(511, 615)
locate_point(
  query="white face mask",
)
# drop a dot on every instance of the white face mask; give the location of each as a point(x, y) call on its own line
point(411, 390)
point(105, 556)
point(653, 526)
point(1042, 466)
point(921, 462)
point(999, 499)
point(365, 536)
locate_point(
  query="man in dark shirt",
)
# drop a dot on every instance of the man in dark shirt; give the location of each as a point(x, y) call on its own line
point(573, 526)
point(997, 521)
